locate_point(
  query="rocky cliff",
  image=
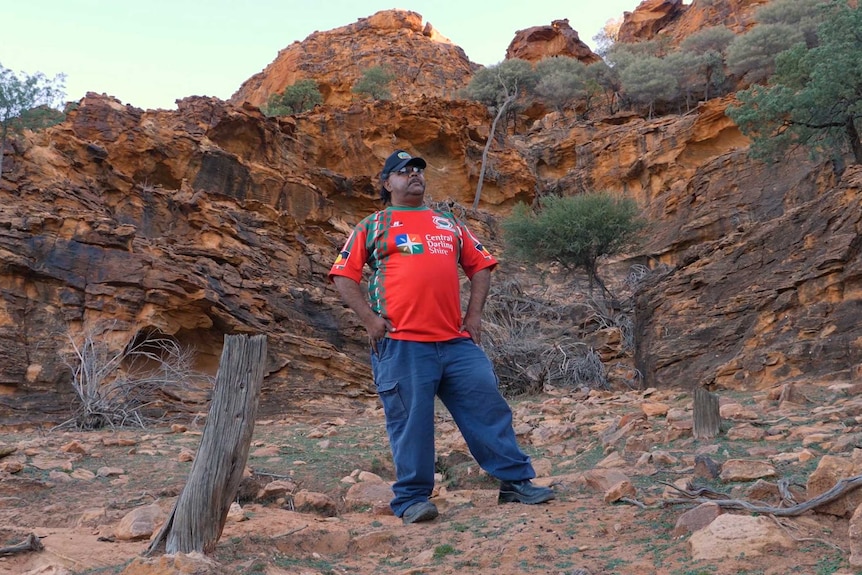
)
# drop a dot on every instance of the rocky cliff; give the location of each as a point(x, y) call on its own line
point(676, 20)
point(427, 63)
point(214, 219)
point(558, 39)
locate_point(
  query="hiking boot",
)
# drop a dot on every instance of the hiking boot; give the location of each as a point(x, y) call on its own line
point(422, 511)
point(524, 492)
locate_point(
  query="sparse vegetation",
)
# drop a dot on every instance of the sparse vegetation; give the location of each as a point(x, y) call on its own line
point(296, 98)
point(442, 551)
point(119, 388)
point(562, 81)
point(814, 99)
point(27, 102)
point(374, 83)
point(560, 536)
point(499, 88)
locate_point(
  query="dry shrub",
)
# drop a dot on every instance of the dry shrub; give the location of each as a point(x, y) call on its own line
point(133, 386)
point(523, 340)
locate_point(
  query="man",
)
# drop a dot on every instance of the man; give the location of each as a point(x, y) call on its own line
point(420, 344)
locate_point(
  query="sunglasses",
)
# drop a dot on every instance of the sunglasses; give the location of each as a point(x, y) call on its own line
point(410, 170)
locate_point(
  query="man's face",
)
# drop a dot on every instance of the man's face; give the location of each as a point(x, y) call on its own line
point(407, 186)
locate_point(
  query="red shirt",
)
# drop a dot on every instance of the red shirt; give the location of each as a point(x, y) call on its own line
point(414, 255)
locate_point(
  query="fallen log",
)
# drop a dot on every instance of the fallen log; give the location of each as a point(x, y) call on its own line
point(32, 543)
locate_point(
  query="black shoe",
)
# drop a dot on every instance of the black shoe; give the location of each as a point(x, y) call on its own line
point(524, 492)
point(422, 511)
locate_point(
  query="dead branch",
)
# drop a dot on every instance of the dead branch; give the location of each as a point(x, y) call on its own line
point(288, 533)
point(32, 543)
point(632, 501)
point(793, 536)
point(274, 475)
point(701, 492)
point(840, 488)
point(787, 497)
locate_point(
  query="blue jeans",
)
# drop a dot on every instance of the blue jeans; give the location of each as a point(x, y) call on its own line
point(408, 374)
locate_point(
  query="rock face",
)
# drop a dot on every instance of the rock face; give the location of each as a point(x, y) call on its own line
point(214, 219)
point(198, 223)
point(775, 299)
point(677, 21)
point(558, 39)
point(121, 222)
point(425, 62)
point(648, 19)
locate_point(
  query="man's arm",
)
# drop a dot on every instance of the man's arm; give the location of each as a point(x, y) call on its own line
point(351, 294)
point(480, 284)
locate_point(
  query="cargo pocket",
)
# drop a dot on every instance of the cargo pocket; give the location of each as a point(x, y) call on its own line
point(393, 406)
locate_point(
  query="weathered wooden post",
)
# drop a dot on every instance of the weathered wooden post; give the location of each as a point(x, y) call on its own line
point(198, 517)
point(706, 416)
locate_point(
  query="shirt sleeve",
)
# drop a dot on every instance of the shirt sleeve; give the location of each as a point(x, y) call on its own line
point(474, 255)
point(352, 256)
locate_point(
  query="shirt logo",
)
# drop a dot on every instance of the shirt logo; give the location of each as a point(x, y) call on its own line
point(443, 223)
point(397, 224)
point(485, 253)
point(408, 244)
point(341, 260)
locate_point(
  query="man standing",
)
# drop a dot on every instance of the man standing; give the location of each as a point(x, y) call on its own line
point(421, 346)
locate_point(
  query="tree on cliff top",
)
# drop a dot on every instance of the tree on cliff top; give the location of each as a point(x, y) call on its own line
point(814, 99)
point(562, 81)
point(499, 87)
point(709, 45)
point(27, 103)
point(780, 25)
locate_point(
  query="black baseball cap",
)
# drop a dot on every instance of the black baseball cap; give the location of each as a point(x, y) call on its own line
point(397, 160)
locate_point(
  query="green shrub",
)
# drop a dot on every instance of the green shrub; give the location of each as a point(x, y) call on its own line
point(573, 231)
point(374, 83)
point(296, 98)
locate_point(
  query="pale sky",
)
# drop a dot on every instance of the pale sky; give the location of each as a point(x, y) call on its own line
point(149, 53)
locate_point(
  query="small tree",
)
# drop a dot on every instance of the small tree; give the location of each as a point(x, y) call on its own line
point(815, 97)
point(27, 103)
point(648, 81)
point(751, 56)
point(607, 36)
point(683, 66)
point(561, 81)
point(296, 98)
point(573, 231)
point(710, 46)
point(602, 79)
point(803, 15)
point(375, 83)
point(499, 87)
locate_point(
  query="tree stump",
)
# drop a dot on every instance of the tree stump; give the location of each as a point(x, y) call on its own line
point(707, 420)
point(198, 517)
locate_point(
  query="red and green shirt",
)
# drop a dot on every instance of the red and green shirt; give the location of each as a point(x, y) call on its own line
point(414, 254)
